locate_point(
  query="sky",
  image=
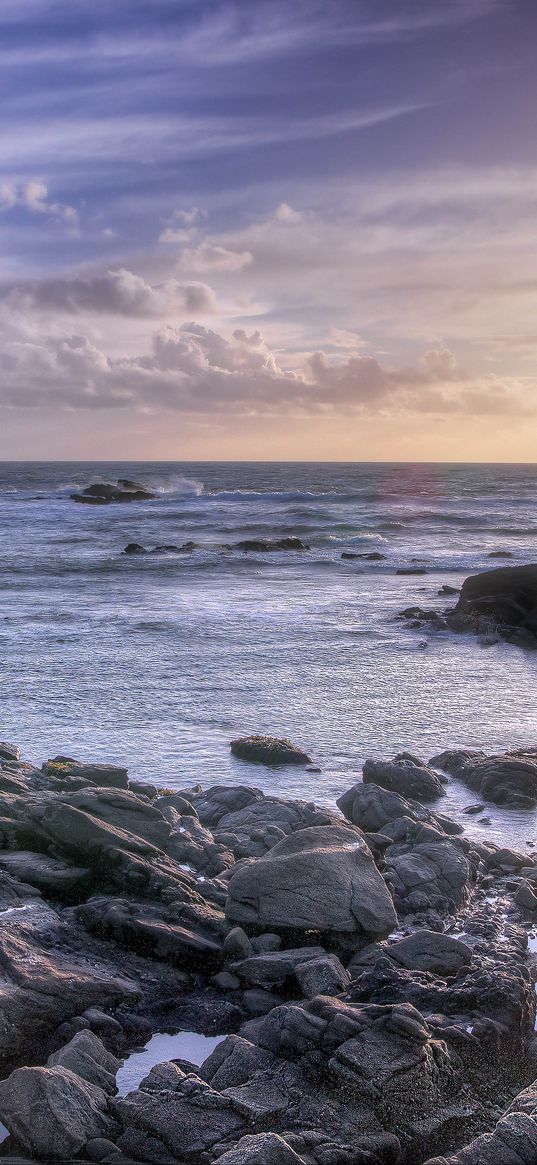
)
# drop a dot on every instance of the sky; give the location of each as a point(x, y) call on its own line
point(288, 229)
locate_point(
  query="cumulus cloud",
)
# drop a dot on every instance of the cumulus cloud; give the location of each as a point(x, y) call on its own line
point(120, 292)
point(33, 196)
point(198, 371)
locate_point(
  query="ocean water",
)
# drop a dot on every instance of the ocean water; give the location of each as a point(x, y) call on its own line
point(159, 661)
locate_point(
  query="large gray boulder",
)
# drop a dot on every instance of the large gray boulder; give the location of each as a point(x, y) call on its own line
point(183, 1121)
point(505, 598)
point(51, 1112)
point(323, 878)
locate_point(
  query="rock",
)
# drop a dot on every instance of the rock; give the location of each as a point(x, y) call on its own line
point(45, 981)
point(322, 878)
point(268, 750)
point(237, 945)
point(263, 545)
point(50, 875)
point(500, 554)
point(137, 927)
point(261, 1149)
point(525, 897)
point(51, 1112)
point(427, 950)
point(276, 968)
point(182, 1123)
point(411, 570)
point(505, 597)
point(447, 589)
point(437, 872)
point(134, 548)
point(65, 769)
point(509, 780)
point(407, 777)
point(375, 810)
point(103, 493)
point(122, 809)
point(324, 975)
point(9, 752)
point(374, 556)
point(87, 1057)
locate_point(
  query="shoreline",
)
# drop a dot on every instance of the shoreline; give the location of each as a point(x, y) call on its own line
point(129, 909)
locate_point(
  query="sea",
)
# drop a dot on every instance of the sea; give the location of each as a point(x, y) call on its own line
point(158, 661)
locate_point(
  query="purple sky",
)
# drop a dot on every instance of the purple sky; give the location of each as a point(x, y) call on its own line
point(301, 229)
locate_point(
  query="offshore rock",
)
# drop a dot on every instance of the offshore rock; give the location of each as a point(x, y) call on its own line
point(269, 750)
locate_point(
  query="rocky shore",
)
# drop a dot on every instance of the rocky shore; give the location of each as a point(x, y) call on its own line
point(367, 968)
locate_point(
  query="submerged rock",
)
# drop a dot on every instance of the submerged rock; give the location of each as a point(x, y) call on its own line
point(263, 545)
point(509, 780)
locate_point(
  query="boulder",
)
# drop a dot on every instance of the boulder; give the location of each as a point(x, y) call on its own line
point(268, 750)
point(104, 493)
point(261, 1149)
point(429, 950)
point(506, 598)
point(410, 778)
point(51, 1112)
point(322, 878)
point(50, 875)
point(509, 780)
point(87, 1057)
point(264, 545)
point(275, 968)
point(324, 975)
point(184, 1122)
point(374, 556)
point(123, 809)
point(430, 875)
point(374, 809)
point(66, 770)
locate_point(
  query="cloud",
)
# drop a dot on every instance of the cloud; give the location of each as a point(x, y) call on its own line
point(33, 196)
point(198, 371)
point(118, 292)
point(211, 256)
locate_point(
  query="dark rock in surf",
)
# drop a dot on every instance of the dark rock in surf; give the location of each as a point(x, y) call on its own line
point(104, 493)
point(269, 750)
point(134, 548)
point(374, 556)
point(500, 554)
point(263, 545)
point(504, 599)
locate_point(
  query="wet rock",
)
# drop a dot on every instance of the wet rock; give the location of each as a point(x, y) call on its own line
point(525, 897)
point(51, 1112)
point(269, 750)
point(134, 548)
point(509, 780)
point(410, 778)
point(322, 878)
